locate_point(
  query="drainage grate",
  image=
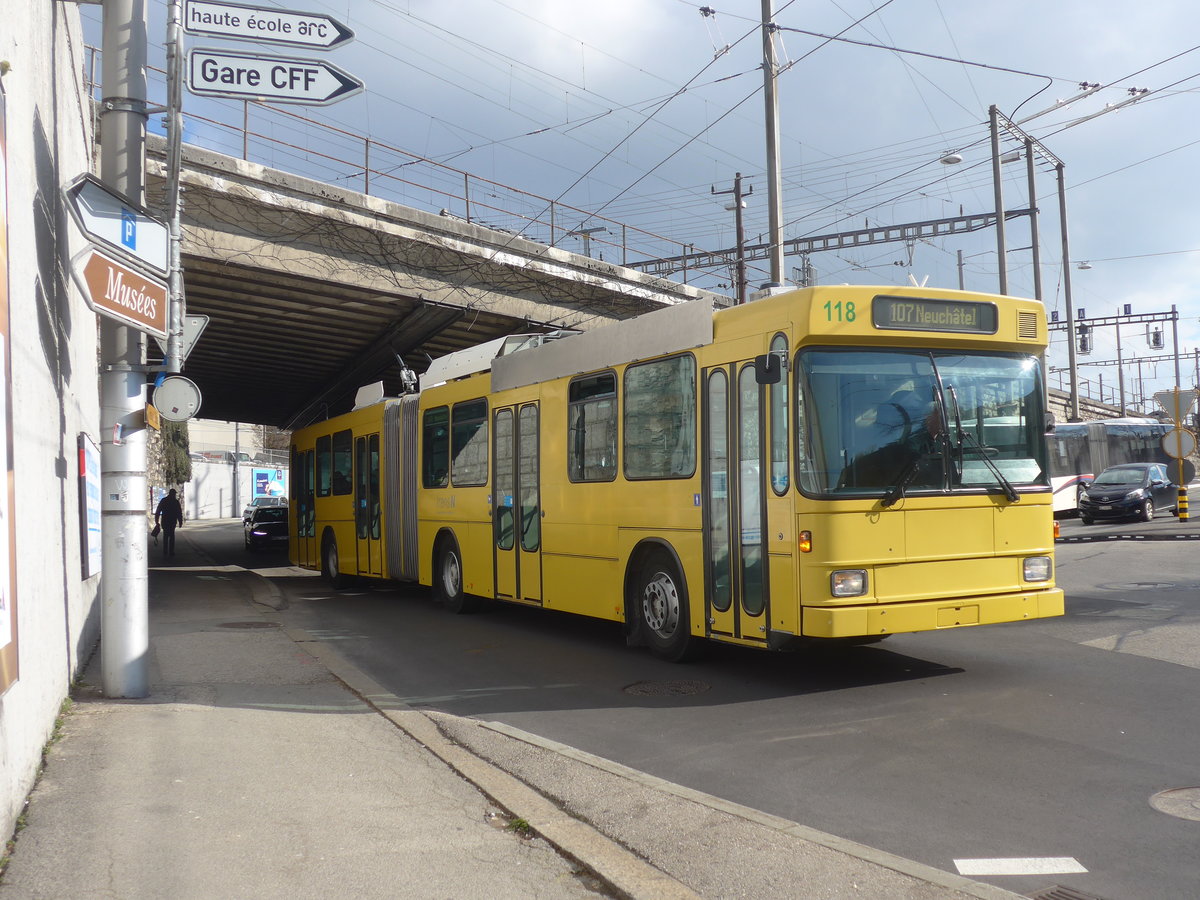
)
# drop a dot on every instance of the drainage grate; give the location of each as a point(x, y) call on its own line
point(1183, 803)
point(1061, 892)
point(666, 688)
point(248, 625)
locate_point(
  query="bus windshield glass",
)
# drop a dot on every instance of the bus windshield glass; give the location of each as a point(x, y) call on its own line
point(894, 422)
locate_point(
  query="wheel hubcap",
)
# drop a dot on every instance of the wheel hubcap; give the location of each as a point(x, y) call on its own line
point(451, 574)
point(660, 605)
point(333, 560)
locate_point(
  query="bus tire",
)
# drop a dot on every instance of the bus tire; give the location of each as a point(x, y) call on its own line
point(660, 602)
point(331, 563)
point(448, 578)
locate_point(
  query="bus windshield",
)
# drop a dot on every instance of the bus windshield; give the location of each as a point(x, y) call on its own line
point(892, 422)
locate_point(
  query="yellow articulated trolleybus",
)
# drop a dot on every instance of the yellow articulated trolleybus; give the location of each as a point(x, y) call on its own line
point(833, 462)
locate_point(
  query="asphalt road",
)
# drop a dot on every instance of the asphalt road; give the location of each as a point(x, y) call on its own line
point(1040, 740)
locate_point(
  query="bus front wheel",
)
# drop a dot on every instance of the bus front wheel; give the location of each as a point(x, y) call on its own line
point(448, 579)
point(662, 608)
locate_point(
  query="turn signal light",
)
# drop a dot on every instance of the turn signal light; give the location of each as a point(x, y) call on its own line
point(1057, 529)
point(806, 542)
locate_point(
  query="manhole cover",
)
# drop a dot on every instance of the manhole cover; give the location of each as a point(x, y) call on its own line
point(249, 625)
point(666, 688)
point(1141, 586)
point(1183, 803)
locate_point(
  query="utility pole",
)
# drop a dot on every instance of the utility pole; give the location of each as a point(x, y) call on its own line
point(774, 168)
point(737, 206)
point(124, 619)
point(1001, 253)
point(1120, 367)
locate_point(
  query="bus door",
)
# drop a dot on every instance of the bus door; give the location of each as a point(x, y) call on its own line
point(367, 533)
point(735, 576)
point(303, 479)
point(516, 504)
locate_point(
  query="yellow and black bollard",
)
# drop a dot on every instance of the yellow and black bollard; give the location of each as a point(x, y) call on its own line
point(1182, 503)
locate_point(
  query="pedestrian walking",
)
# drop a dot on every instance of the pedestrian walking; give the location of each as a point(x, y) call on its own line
point(168, 516)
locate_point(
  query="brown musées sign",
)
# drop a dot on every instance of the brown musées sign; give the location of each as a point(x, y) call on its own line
point(120, 292)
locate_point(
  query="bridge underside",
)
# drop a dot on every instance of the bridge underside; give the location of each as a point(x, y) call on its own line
point(313, 291)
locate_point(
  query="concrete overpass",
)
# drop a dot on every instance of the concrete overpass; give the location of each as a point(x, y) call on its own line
point(314, 290)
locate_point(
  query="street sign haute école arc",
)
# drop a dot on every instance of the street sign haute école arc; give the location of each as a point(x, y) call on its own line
point(237, 21)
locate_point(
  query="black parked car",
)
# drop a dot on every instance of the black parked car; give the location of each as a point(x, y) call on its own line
point(1128, 491)
point(266, 527)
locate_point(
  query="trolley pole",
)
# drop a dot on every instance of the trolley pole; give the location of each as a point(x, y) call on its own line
point(124, 620)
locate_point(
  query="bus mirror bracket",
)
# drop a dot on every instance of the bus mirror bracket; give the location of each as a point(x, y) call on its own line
point(1049, 423)
point(768, 368)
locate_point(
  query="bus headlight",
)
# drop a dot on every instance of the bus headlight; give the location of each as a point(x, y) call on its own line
point(848, 582)
point(1038, 568)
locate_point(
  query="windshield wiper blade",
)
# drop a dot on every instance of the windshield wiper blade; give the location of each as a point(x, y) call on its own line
point(903, 479)
point(1009, 491)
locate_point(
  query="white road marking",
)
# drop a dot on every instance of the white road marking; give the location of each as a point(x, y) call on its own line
point(1027, 865)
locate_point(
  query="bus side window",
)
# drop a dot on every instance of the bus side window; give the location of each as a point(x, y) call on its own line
point(592, 428)
point(324, 466)
point(435, 447)
point(342, 463)
point(660, 419)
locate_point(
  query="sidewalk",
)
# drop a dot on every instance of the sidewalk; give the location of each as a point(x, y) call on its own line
point(265, 766)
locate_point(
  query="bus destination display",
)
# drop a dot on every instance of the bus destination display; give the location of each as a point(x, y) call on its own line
point(912, 314)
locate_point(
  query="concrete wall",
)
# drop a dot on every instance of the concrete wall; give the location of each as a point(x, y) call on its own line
point(53, 341)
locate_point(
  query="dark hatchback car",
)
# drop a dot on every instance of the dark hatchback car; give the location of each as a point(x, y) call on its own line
point(1128, 491)
point(266, 527)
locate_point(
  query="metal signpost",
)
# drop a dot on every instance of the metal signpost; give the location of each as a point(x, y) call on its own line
point(260, 76)
point(252, 23)
point(1179, 443)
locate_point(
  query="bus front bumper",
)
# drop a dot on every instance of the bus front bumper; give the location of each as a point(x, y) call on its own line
point(930, 615)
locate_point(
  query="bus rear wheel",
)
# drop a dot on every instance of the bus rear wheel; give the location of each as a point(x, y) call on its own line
point(661, 604)
point(448, 579)
point(330, 565)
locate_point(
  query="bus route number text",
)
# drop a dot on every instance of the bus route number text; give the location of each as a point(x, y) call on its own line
point(840, 312)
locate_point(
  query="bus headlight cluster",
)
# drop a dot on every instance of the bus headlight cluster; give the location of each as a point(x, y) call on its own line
point(1038, 568)
point(848, 582)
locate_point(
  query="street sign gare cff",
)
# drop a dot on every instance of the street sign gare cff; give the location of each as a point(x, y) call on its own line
point(261, 76)
point(253, 23)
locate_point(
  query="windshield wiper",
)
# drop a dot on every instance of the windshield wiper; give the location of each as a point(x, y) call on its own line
point(903, 480)
point(1009, 491)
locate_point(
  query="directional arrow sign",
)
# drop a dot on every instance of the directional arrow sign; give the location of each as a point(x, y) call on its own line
point(124, 228)
point(119, 292)
point(275, 26)
point(259, 76)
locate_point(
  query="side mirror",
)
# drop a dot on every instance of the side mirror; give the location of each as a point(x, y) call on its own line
point(767, 369)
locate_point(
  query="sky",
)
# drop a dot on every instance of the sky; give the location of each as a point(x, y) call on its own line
point(630, 113)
